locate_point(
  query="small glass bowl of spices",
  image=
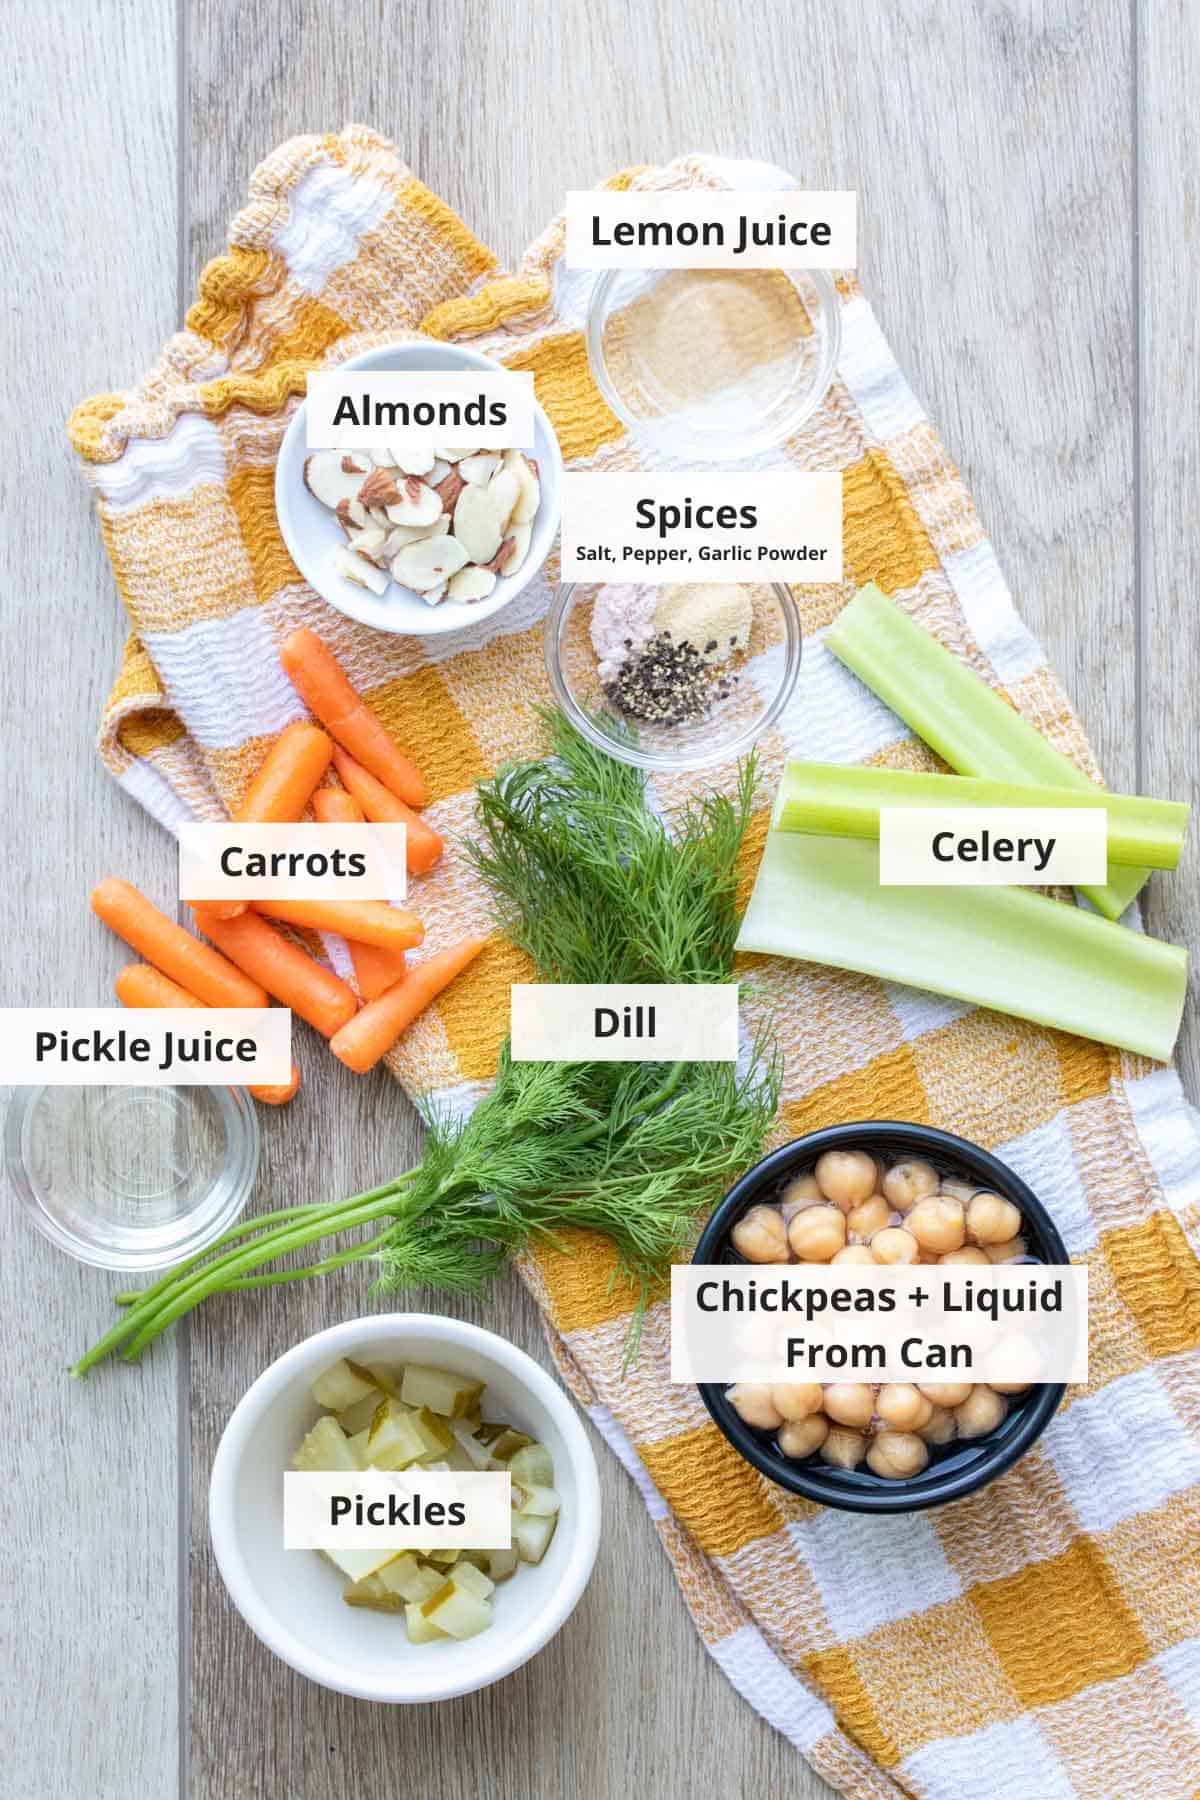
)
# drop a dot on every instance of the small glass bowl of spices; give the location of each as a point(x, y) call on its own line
point(673, 677)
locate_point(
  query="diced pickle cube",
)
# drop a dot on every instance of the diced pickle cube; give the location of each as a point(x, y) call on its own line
point(531, 1535)
point(372, 1593)
point(395, 1439)
point(456, 1612)
point(326, 1450)
point(340, 1386)
point(449, 1395)
point(420, 1629)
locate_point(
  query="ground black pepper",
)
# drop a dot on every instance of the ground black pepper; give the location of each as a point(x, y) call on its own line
point(669, 683)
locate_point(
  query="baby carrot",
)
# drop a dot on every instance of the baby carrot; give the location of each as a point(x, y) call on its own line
point(316, 994)
point(140, 985)
point(373, 1031)
point(365, 921)
point(171, 949)
point(281, 1093)
point(375, 970)
point(287, 776)
point(321, 683)
point(280, 791)
point(424, 846)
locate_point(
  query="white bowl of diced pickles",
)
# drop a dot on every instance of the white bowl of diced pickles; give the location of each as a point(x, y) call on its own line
point(397, 1391)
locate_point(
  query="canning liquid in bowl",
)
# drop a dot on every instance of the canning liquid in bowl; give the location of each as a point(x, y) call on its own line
point(130, 1177)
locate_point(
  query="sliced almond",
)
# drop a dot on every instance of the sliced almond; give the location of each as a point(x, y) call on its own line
point(529, 488)
point(471, 583)
point(438, 473)
point(415, 504)
point(479, 467)
point(503, 492)
point(450, 487)
point(478, 522)
point(328, 481)
point(358, 512)
point(368, 541)
point(409, 534)
point(434, 596)
point(413, 458)
point(519, 537)
point(381, 488)
point(423, 565)
point(362, 573)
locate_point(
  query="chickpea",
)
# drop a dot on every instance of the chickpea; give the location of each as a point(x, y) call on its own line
point(896, 1455)
point(980, 1412)
point(895, 1245)
point(868, 1217)
point(941, 1428)
point(992, 1220)
point(907, 1182)
point(945, 1393)
point(938, 1223)
point(800, 1437)
point(850, 1403)
point(761, 1236)
point(797, 1399)
point(969, 1255)
point(843, 1448)
point(903, 1407)
point(1012, 1251)
point(855, 1253)
point(752, 1402)
point(817, 1233)
point(847, 1177)
point(801, 1191)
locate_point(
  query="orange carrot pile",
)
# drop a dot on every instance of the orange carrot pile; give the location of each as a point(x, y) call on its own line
point(252, 961)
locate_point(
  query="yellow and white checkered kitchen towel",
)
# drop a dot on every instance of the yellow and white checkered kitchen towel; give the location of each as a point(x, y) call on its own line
point(1040, 1639)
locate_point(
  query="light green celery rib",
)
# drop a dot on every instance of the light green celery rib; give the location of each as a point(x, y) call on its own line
point(832, 800)
point(969, 725)
point(819, 900)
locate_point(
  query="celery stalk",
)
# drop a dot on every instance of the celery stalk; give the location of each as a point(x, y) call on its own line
point(819, 900)
point(969, 725)
point(833, 800)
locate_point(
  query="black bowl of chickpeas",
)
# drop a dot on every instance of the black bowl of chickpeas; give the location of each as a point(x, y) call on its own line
point(881, 1193)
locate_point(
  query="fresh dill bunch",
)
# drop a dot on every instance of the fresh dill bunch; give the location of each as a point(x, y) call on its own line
point(630, 1150)
point(593, 884)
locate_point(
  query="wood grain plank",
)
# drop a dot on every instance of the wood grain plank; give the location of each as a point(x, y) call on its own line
point(990, 148)
point(1169, 270)
point(88, 234)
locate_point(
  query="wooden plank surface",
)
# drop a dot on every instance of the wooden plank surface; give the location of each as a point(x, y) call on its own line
point(993, 149)
point(1168, 472)
point(90, 1559)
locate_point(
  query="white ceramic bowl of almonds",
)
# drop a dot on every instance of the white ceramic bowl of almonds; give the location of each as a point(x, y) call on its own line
point(293, 1599)
point(438, 545)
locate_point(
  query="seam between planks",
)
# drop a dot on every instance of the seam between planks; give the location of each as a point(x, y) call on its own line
point(183, 1362)
point(1140, 585)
